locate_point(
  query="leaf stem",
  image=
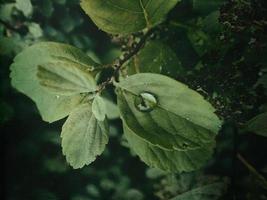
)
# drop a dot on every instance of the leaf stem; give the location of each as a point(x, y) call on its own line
point(119, 62)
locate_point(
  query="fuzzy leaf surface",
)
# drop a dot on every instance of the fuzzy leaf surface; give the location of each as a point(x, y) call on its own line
point(83, 136)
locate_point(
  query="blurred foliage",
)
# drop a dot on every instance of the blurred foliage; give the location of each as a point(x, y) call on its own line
point(225, 60)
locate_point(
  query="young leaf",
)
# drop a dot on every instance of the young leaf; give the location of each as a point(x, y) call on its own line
point(212, 191)
point(168, 160)
point(258, 124)
point(165, 112)
point(155, 57)
point(83, 137)
point(127, 16)
point(52, 107)
point(99, 108)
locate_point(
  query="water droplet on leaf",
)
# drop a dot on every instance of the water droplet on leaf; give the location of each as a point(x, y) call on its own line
point(57, 96)
point(146, 102)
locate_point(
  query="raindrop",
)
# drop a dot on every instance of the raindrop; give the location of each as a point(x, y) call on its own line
point(57, 96)
point(145, 102)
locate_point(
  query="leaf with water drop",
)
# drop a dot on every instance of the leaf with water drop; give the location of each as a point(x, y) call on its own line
point(99, 108)
point(155, 57)
point(176, 118)
point(168, 160)
point(127, 16)
point(24, 70)
point(83, 136)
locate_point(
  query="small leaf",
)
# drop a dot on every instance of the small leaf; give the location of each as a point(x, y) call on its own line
point(52, 107)
point(99, 108)
point(25, 6)
point(155, 57)
point(212, 191)
point(258, 124)
point(127, 16)
point(83, 137)
point(166, 113)
point(172, 161)
point(35, 30)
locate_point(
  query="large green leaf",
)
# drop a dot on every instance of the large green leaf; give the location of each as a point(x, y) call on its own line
point(174, 160)
point(258, 124)
point(155, 57)
point(127, 16)
point(165, 112)
point(52, 107)
point(83, 137)
point(212, 191)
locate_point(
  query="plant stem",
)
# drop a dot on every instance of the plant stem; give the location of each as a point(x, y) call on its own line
point(119, 62)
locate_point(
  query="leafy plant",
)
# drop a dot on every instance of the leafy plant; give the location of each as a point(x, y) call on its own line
point(167, 124)
point(161, 78)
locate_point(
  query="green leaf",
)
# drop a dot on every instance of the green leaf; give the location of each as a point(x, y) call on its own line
point(51, 106)
point(6, 11)
point(172, 161)
point(258, 124)
point(25, 6)
point(83, 137)
point(35, 30)
point(165, 112)
point(200, 41)
point(66, 77)
point(207, 192)
point(7, 45)
point(155, 57)
point(127, 16)
point(99, 108)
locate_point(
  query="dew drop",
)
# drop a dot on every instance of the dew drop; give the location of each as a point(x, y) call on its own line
point(145, 102)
